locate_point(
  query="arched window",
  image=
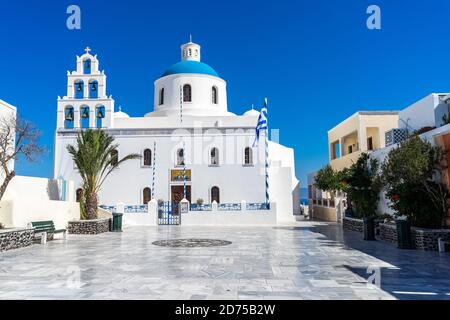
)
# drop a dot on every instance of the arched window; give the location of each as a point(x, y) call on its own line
point(85, 115)
point(215, 194)
point(79, 89)
point(93, 89)
point(187, 93)
point(248, 156)
point(180, 157)
point(161, 96)
point(114, 157)
point(214, 157)
point(68, 117)
point(100, 115)
point(214, 95)
point(147, 157)
point(79, 194)
point(87, 66)
point(146, 195)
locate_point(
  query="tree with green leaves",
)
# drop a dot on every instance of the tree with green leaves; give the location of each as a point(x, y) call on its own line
point(412, 175)
point(363, 185)
point(95, 156)
point(328, 179)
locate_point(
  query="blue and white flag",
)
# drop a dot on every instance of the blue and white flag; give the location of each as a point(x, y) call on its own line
point(262, 122)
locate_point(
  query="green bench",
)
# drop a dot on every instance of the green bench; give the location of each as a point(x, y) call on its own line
point(46, 228)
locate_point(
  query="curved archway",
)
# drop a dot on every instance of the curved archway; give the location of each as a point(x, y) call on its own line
point(69, 117)
point(114, 157)
point(215, 194)
point(79, 194)
point(85, 117)
point(214, 157)
point(87, 66)
point(93, 89)
point(161, 96)
point(99, 116)
point(214, 95)
point(79, 89)
point(147, 157)
point(180, 157)
point(146, 195)
point(248, 156)
point(187, 93)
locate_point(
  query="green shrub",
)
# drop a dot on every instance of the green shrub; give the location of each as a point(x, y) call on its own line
point(410, 175)
point(327, 179)
point(363, 186)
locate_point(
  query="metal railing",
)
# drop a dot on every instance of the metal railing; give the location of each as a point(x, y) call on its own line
point(200, 207)
point(140, 208)
point(229, 206)
point(257, 206)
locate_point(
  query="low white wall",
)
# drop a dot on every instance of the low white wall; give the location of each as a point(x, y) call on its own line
point(149, 218)
point(30, 199)
point(38, 189)
point(17, 214)
point(231, 218)
point(140, 219)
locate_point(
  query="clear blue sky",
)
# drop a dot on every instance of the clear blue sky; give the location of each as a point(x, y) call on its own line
point(315, 60)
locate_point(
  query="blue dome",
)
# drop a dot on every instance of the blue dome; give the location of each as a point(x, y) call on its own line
point(189, 66)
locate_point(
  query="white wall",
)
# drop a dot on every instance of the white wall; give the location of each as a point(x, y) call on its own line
point(236, 181)
point(201, 104)
point(126, 184)
point(30, 199)
point(39, 189)
point(231, 218)
point(19, 213)
point(421, 113)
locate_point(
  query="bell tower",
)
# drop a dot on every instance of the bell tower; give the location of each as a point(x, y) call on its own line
point(86, 104)
point(190, 51)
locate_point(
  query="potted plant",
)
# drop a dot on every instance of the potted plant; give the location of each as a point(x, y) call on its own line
point(200, 202)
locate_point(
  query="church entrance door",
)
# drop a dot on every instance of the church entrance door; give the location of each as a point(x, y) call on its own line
point(177, 194)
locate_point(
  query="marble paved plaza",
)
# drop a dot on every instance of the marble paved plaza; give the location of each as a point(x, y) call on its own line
point(309, 261)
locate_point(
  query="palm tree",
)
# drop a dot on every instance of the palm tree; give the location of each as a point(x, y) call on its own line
point(95, 156)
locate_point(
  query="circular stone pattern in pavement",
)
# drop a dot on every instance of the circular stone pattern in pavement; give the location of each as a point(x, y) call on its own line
point(191, 243)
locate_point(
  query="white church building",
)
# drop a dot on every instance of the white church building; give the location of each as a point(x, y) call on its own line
point(190, 133)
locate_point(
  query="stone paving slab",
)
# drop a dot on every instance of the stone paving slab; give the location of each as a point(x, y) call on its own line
point(313, 260)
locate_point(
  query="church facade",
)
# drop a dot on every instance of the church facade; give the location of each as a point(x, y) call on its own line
point(191, 144)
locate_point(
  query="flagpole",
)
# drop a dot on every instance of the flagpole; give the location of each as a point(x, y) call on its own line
point(154, 169)
point(184, 145)
point(267, 160)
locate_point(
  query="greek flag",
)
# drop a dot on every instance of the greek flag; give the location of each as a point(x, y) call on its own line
point(262, 122)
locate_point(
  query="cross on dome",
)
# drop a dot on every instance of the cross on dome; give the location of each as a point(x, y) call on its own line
point(87, 50)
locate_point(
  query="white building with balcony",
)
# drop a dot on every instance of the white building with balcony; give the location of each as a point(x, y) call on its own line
point(190, 132)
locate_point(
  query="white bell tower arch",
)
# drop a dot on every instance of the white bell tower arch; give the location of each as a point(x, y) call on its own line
point(86, 104)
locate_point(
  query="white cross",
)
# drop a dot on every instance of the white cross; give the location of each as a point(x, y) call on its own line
point(87, 49)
